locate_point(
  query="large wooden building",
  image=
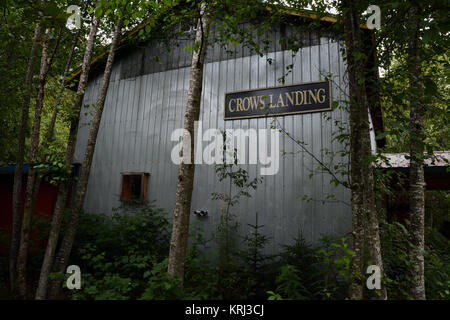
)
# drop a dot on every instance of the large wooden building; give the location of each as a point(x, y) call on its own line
point(146, 101)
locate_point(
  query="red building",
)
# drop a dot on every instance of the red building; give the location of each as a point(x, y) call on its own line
point(45, 204)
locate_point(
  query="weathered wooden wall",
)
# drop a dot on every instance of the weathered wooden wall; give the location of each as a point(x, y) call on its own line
point(146, 102)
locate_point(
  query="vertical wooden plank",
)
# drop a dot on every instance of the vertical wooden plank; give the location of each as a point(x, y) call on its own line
point(316, 132)
point(272, 203)
point(297, 165)
point(129, 124)
point(287, 169)
point(278, 178)
point(252, 72)
point(158, 128)
point(261, 81)
point(325, 219)
point(163, 159)
point(109, 137)
point(216, 118)
point(307, 183)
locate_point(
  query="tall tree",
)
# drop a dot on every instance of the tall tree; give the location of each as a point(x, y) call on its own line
point(416, 172)
point(64, 186)
point(362, 179)
point(25, 228)
point(181, 215)
point(69, 236)
point(51, 128)
point(49, 253)
point(351, 23)
point(412, 52)
point(17, 187)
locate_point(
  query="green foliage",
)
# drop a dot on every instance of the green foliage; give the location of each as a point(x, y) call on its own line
point(161, 285)
point(305, 262)
point(319, 273)
point(273, 296)
point(290, 284)
point(336, 258)
point(15, 23)
point(437, 265)
point(115, 267)
point(111, 286)
point(257, 270)
point(116, 253)
point(437, 214)
point(201, 276)
point(124, 256)
point(254, 243)
point(394, 86)
point(322, 272)
point(235, 280)
point(395, 247)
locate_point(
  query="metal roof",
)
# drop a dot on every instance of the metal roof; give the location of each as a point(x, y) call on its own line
point(401, 160)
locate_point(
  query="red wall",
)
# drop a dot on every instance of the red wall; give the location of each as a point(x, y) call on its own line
point(45, 204)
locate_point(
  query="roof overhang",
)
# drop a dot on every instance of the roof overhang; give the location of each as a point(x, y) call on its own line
point(308, 14)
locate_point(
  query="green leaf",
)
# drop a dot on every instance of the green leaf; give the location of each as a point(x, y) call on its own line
point(98, 12)
point(382, 135)
point(334, 105)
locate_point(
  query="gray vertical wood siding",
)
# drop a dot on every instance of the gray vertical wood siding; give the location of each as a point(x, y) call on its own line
point(144, 106)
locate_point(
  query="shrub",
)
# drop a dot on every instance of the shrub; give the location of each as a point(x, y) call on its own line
point(437, 265)
point(305, 260)
point(161, 285)
point(395, 247)
point(116, 253)
point(307, 273)
point(290, 284)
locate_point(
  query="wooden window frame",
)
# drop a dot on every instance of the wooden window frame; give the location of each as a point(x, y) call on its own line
point(144, 185)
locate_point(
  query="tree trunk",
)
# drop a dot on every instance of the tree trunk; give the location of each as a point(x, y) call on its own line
point(64, 187)
point(372, 221)
point(416, 173)
point(178, 243)
point(48, 257)
point(27, 213)
point(357, 196)
point(51, 128)
point(69, 236)
point(362, 186)
point(17, 188)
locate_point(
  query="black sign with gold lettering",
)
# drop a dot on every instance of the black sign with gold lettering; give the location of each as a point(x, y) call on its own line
point(278, 101)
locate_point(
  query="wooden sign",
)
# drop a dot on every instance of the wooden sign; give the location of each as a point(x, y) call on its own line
point(278, 101)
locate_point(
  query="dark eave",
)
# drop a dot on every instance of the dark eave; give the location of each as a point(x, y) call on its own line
point(98, 59)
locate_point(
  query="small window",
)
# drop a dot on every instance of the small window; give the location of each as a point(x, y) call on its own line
point(134, 186)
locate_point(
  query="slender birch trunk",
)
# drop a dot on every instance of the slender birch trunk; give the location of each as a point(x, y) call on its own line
point(48, 257)
point(51, 128)
point(416, 172)
point(17, 187)
point(64, 187)
point(69, 237)
point(180, 230)
point(371, 216)
point(27, 213)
